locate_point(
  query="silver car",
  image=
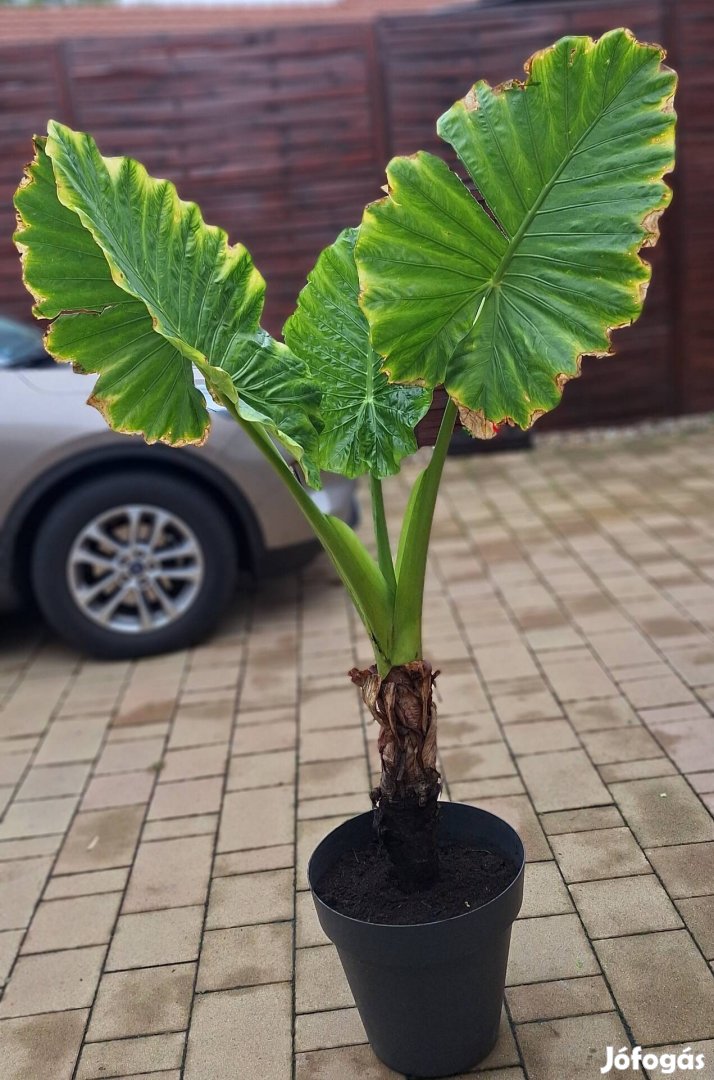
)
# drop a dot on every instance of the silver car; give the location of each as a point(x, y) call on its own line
point(131, 549)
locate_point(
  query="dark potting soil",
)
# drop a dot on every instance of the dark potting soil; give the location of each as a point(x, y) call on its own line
point(361, 885)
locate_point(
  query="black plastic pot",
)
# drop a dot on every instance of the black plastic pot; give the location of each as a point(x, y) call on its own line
point(430, 995)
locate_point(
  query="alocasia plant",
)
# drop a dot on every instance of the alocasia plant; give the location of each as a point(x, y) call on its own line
point(496, 301)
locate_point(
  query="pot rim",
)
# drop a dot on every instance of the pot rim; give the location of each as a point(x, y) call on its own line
point(498, 899)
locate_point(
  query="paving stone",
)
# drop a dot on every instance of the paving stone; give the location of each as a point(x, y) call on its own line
point(591, 817)
point(331, 708)
point(602, 853)
point(337, 805)
point(515, 707)
point(72, 922)
point(136, 713)
point(467, 730)
point(246, 956)
point(619, 648)
point(561, 998)
point(99, 881)
point(320, 982)
point(574, 1047)
point(648, 693)
point(555, 637)
point(170, 828)
point(250, 771)
point(250, 898)
point(505, 661)
point(662, 985)
point(331, 745)
point(6, 794)
point(320, 778)
point(53, 780)
point(135, 733)
point(27, 819)
point(325, 1030)
point(702, 782)
point(100, 840)
point(53, 982)
point(483, 789)
point(624, 905)
point(171, 1074)
point(460, 691)
point(148, 938)
point(279, 857)
point(620, 744)
point(518, 812)
point(636, 770)
point(34, 847)
point(125, 757)
point(577, 678)
point(121, 1057)
point(693, 711)
point(549, 948)
point(170, 873)
point(663, 811)
point(12, 766)
point(252, 819)
point(21, 883)
point(689, 743)
point(122, 789)
point(704, 1047)
point(695, 665)
point(347, 1063)
point(251, 1026)
point(43, 1047)
point(202, 723)
point(10, 941)
point(172, 800)
point(544, 892)
point(685, 869)
point(562, 780)
point(201, 761)
point(603, 714)
point(263, 737)
point(698, 914)
point(514, 1073)
point(309, 835)
point(477, 762)
point(307, 926)
point(538, 736)
point(72, 741)
point(143, 1002)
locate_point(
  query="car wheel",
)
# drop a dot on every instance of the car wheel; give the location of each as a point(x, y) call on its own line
point(133, 564)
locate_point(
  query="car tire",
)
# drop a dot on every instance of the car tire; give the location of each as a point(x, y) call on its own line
point(184, 564)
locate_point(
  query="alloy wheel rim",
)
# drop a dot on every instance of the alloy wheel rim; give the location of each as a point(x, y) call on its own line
point(135, 568)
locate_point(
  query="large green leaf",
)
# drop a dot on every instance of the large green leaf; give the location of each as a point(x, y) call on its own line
point(500, 306)
point(144, 385)
point(368, 422)
point(203, 297)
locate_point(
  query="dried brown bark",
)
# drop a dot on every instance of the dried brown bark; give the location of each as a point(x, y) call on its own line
point(405, 802)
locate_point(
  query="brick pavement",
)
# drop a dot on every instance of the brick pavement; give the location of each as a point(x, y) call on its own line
point(158, 816)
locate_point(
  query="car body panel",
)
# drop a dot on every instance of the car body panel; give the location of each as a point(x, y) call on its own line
point(48, 434)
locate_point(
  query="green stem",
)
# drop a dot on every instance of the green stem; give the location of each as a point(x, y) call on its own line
point(381, 533)
point(414, 547)
point(257, 434)
point(360, 574)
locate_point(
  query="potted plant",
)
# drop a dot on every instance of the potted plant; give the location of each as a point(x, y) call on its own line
point(496, 301)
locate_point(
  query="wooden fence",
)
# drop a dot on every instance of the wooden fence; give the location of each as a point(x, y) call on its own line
point(282, 129)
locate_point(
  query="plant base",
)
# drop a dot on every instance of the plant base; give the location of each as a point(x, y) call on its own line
point(429, 995)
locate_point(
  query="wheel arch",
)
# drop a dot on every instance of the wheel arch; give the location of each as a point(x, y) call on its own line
point(35, 502)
